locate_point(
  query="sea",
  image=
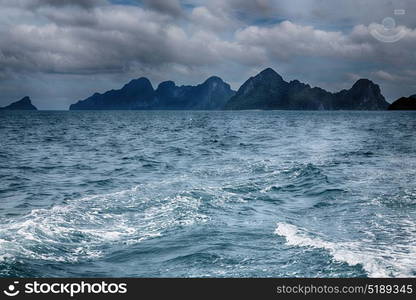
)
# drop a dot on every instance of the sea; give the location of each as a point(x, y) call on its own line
point(207, 194)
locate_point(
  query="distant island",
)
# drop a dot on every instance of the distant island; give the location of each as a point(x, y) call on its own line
point(269, 91)
point(266, 91)
point(23, 104)
point(139, 94)
point(404, 103)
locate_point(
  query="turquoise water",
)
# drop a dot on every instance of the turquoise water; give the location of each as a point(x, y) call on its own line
point(207, 194)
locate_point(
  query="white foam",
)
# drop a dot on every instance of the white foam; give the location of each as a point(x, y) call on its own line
point(78, 230)
point(377, 261)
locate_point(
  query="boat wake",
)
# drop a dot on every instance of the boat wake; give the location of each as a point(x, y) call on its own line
point(377, 260)
point(84, 228)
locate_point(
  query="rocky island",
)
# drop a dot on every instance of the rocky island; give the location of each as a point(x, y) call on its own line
point(23, 104)
point(404, 103)
point(265, 91)
point(269, 91)
point(139, 94)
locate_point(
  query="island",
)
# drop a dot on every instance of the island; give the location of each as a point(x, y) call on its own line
point(404, 103)
point(265, 91)
point(139, 94)
point(269, 91)
point(23, 104)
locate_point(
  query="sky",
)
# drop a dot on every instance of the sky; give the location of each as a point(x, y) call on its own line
point(61, 51)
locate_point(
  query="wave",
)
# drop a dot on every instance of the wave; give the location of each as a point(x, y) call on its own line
point(302, 177)
point(395, 260)
point(403, 199)
point(82, 229)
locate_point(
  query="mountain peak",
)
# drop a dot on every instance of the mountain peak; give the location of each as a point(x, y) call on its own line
point(214, 79)
point(166, 85)
point(365, 86)
point(364, 95)
point(25, 99)
point(362, 83)
point(269, 73)
point(139, 82)
point(263, 91)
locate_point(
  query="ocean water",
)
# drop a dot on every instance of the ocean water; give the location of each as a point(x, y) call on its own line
point(207, 194)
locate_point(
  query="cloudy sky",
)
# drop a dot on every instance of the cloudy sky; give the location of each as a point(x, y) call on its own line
point(61, 51)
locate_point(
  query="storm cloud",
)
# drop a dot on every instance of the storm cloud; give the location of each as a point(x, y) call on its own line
point(170, 7)
point(94, 45)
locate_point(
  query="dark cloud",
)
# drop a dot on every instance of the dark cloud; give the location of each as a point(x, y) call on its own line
point(170, 7)
point(256, 8)
point(63, 3)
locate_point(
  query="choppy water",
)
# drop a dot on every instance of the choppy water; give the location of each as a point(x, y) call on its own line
point(224, 194)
